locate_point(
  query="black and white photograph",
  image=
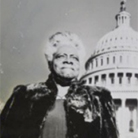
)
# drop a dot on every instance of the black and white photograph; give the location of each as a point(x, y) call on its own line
point(69, 69)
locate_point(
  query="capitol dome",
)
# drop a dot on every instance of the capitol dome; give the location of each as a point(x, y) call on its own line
point(114, 65)
point(118, 47)
point(123, 37)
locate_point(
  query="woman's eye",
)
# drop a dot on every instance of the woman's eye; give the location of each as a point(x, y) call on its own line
point(59, 56)
point(76, 58)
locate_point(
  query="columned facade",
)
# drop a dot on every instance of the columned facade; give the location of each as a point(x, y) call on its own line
point(114, 65)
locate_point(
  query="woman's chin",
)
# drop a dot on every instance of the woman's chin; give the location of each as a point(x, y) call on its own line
point(68, 76)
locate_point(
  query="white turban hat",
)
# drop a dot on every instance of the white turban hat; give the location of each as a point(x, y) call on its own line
point(64, 39)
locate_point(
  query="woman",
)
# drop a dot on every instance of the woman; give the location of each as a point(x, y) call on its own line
point(37, 110)
point(65, 67)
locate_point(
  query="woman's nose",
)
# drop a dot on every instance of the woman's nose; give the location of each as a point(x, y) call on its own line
point(68, 61)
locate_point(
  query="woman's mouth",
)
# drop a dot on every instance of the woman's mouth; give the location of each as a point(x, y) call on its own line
point(68, 68)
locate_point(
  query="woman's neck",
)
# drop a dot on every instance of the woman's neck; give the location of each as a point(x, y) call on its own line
point(62, 91)
point(63, 81)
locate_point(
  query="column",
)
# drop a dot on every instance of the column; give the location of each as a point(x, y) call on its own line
point(124, 79)
point(123, 120)
point(116, 79)
point(133, 80)
point(99, 80)
point(94, 64)
point(93, 80)
point(107, 79)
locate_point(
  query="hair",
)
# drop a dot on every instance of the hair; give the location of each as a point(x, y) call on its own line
point(63, 39)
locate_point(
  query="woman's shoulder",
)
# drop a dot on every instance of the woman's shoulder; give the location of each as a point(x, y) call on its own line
point(98, 91)
point(30, 86)
point(33, 90)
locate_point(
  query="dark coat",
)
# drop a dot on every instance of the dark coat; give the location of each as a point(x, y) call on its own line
point(24, 113)
point(90, 112)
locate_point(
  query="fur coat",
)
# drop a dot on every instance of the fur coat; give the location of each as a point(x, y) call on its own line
point(89, 111)
point(24, 113)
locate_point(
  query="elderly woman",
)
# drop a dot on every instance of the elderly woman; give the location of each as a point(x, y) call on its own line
point(37, 110)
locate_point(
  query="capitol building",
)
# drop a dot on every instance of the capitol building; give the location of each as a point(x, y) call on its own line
point(114, 65)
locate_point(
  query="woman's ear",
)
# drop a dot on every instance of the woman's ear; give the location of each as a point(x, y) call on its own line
point(50, 65)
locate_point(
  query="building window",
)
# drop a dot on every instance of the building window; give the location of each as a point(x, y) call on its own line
point(114, 59)
point(120, 76)
point(118, 103)
point(120, 59)
point(129, 75)
point(112, 78)
point(84, 81)
point(132, 104)
point(96, 62)
point(96, 79)
point(101, 61)
point(92, 65)
point(90, 80)
point(103, 78)
point(136, 76)
point(107, 60)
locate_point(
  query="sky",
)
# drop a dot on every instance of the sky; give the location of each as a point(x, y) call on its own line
point(26, 25)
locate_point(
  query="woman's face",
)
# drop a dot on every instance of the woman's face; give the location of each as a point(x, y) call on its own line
point(66, 62)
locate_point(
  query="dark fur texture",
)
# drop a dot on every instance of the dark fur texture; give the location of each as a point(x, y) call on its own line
point(23, 114)
point(90, 112)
